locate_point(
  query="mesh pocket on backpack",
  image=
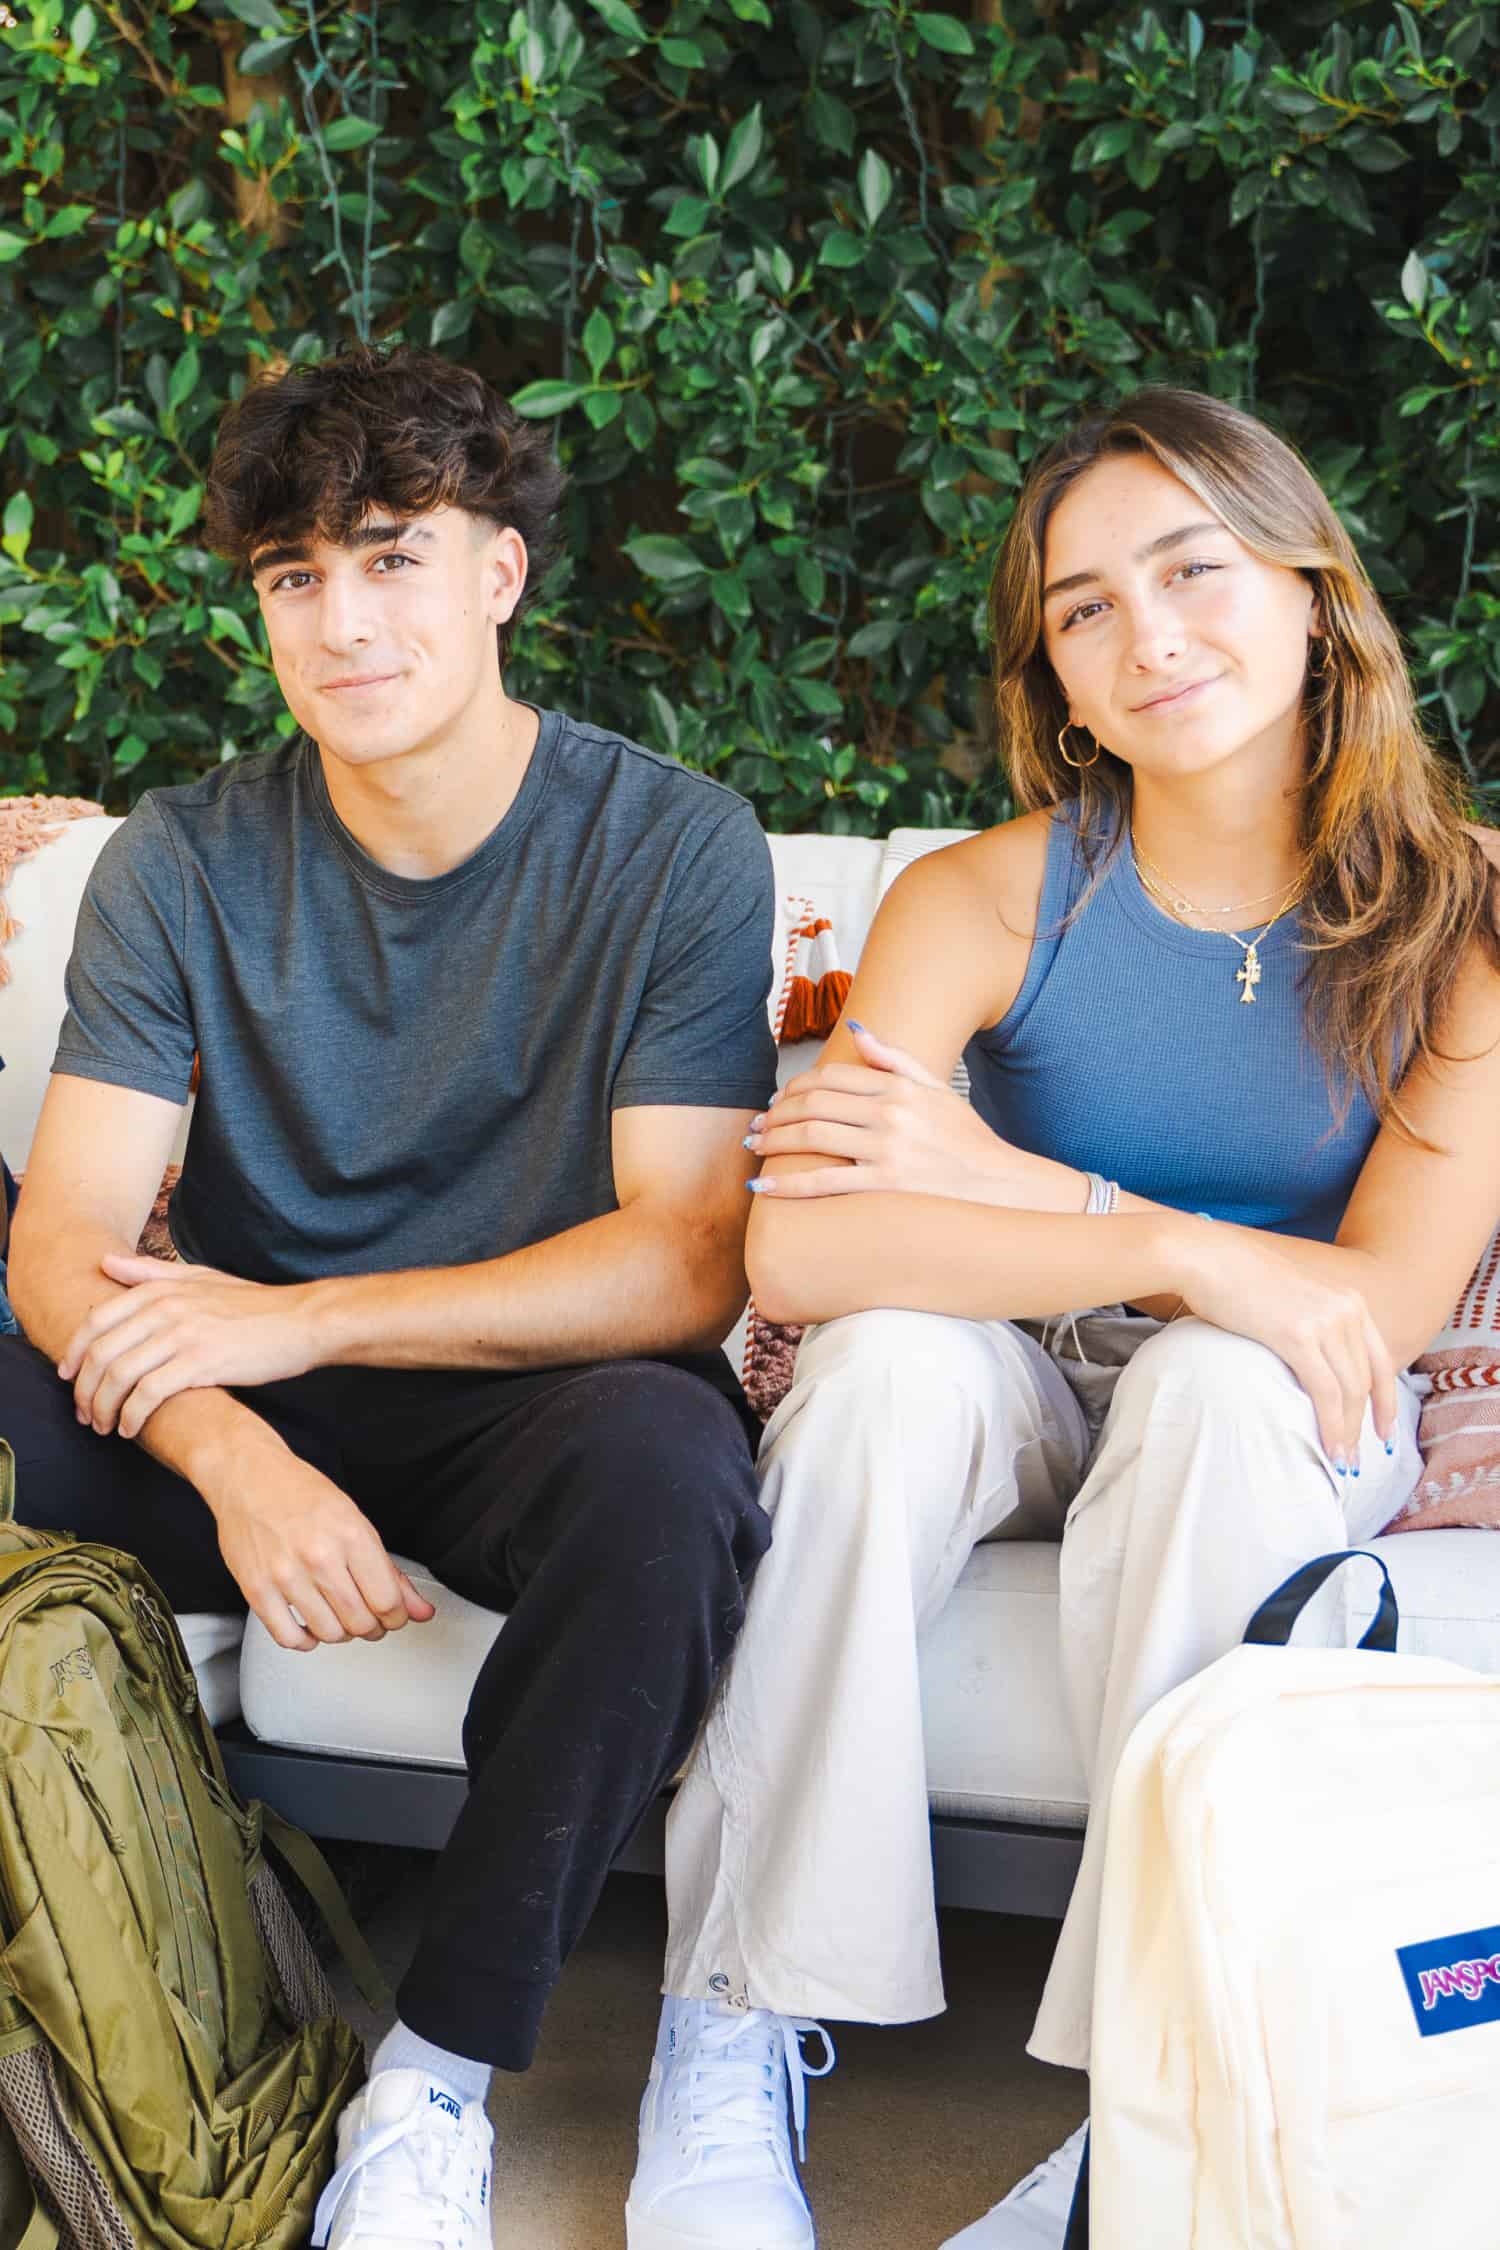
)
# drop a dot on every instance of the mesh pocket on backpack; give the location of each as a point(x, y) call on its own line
point(55, 2157)
point(309, 1995)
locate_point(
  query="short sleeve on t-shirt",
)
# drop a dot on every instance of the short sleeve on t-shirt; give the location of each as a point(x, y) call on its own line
point(129, 1021)
point(701, 1035)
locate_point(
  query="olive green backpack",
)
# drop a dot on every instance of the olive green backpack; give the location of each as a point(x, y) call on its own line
point(172, 2060)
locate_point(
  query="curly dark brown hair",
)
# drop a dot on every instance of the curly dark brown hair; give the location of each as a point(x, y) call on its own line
point(311, 451)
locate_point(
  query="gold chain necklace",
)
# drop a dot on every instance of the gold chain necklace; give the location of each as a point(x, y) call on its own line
point(1181, 905)
point(1248, 975)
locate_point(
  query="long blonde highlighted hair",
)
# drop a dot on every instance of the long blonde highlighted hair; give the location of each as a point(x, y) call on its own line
point(1396, 889)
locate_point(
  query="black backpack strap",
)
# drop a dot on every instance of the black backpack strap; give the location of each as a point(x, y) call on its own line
point(1077, 2236)
point(1272, 1624)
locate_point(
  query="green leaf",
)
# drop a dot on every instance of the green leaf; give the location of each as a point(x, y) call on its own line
point(831, 121)
point(228, 625)
point(1103, 147)
point(71, 219)
point(129, 752)
point(811, 580)
point(350, 132)
point(671, 561)
point(598, 342)
point(683, 54)
point(687, 215)
point(188, 204)
point(875, 638)
point(261, 15)
point(666, 718)
point(876, 185)
point(184, 379)
point(841, 248)
point(752, 11)
point(946, 33)
point(81, 30)
point(707, 150)
point(1375, 152)
point(264, 55)
point(1414, 280)
point(184, 511)
point(538, 400)
point(602, 408)
point(743, 152)
point(451, 319)
point(15, 527)
point(12, 245)
point(817, 698)
point(1193, 25)
point(640, 421)
point(621, 20)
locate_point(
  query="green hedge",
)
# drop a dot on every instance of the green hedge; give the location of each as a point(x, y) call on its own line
point(805, 288)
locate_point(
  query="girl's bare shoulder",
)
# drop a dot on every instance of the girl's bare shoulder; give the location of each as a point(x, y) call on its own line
point(997, 869)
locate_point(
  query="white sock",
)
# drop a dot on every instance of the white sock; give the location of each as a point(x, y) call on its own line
point(403, 2049)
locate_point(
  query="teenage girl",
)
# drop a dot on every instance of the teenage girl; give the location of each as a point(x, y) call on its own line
point(1228, 991)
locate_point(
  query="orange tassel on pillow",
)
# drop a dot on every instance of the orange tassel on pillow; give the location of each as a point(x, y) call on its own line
point(815, 988)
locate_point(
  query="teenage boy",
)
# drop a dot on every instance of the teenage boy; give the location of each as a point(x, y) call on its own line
point(478, 996)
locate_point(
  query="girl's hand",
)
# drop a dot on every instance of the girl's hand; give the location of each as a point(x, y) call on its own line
point(900, 1130)
point(1240, 1281)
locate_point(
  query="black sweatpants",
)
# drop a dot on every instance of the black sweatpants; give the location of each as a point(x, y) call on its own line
point(609, 1510)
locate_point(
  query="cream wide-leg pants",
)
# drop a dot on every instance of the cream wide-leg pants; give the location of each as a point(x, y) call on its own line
point(1182, 1469)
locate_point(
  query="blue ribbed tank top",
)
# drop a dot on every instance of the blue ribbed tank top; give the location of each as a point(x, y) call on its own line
point(1128, 1051)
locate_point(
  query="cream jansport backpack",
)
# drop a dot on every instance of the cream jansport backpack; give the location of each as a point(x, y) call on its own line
point(1296, 2036)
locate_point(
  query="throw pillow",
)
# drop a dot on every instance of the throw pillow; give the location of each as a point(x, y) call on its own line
point(1460, 1428)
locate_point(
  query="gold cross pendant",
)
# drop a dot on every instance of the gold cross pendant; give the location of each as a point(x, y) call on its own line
point(1247, 976)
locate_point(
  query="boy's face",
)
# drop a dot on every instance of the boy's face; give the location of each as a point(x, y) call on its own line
point(385, 645)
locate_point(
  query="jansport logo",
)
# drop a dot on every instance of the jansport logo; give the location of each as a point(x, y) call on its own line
point(1453, 1982)
point(1467, 1978)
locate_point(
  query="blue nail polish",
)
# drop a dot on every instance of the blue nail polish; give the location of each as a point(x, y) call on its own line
point(1341, 1466)
point(1390, 1445)
point(757, 1187)
point(1354, 1472)
point(748, 1141)
point(855, 1025)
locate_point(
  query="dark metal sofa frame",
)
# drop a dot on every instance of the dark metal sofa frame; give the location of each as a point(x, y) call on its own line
point(1001, 1866)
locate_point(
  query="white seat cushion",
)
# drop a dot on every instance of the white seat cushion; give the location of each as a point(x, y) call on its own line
point(998, 1742)
point(213, 1649)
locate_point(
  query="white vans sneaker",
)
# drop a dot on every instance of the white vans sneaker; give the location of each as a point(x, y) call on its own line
point(414, 2169)
point(1034, 2216)
point(715, 2169)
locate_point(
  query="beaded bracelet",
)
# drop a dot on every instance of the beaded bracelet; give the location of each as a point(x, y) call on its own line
point(1104, 1196)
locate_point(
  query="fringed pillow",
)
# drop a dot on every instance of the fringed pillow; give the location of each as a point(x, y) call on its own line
point(809, 1000)
point(1459, 1432)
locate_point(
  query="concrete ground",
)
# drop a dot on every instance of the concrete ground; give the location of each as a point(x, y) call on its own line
point(916, 2133)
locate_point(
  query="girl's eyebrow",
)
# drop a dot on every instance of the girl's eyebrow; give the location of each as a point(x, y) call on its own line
point(1161, 546)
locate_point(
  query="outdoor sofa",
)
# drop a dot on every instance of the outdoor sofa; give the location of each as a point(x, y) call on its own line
point(362, 1741)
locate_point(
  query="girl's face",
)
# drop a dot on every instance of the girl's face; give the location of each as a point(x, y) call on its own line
point(1176, 647)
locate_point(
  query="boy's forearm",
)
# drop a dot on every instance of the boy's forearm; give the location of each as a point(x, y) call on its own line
point(200, 1433)
point(633, 1282)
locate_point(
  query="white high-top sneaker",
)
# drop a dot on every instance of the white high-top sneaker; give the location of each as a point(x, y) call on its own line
point(715, 2169)
point(1034, 2216)
point(414, 2168)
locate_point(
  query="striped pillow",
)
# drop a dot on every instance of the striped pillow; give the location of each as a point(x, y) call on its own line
point(1460, 1427)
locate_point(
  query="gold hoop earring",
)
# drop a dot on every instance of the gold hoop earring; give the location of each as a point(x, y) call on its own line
point(1080, 765)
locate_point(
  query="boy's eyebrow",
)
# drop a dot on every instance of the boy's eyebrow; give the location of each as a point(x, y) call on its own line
point(1160, 546)
point(367, 535)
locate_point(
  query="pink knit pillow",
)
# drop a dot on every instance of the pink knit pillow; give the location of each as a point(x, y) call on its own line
point(1460, 1428)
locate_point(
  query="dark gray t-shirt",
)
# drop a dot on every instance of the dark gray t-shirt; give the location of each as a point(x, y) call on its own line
point(400, 1072)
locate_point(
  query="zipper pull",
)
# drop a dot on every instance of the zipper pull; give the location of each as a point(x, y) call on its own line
point(152, 1622)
